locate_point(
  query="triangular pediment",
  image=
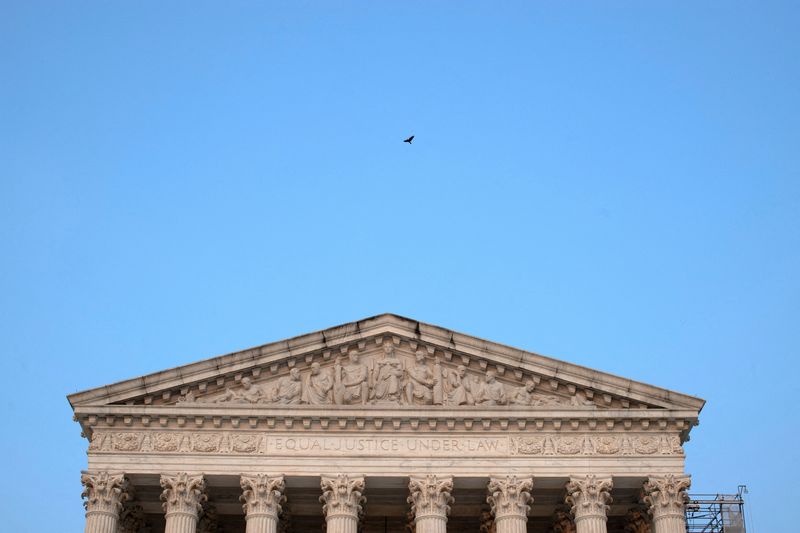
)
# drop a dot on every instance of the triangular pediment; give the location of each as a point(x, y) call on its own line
point(386, 361)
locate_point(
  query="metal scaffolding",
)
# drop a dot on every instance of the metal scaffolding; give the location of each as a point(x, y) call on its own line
point(716, 513)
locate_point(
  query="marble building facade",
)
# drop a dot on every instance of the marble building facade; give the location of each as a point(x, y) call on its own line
point(384, 425)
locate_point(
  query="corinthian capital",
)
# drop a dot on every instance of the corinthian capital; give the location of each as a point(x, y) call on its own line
point(509, 496)
point(666, 495)
point(104, 492)
point(430, 496)
point(589, 496)
point(262, 494)
point(183, 493)
point(341, 495)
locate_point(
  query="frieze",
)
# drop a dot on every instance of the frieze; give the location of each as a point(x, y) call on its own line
point(596, 445)
point(254, 443)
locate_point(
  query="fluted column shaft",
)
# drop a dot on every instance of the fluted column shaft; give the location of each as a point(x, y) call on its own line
point(183, 497)
point(104, 493)
point(589, 497)
point(430, 502)
point(262, 496)
point(509, 499)
point(342, 499)
point(666, 497)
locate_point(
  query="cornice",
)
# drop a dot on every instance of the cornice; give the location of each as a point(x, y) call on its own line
point(345, 418)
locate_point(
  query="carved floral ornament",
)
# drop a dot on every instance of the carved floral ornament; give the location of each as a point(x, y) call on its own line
point(387, 379)
point(183, 493)
point(262, 494)
point(104, 492)
point(509, 496)
point(430, 496)
point(666, 495)
point(589, 496)
point(342, 495)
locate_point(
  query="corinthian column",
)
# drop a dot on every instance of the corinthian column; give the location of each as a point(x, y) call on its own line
point(342, 499)
point(509, 498)
point(262, 496)
point(104, 493)
point(666, 497)
point(589, 497)
point(430, 502)
point(183, 496)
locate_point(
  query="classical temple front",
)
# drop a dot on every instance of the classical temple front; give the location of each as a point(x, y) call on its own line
point(384, 425)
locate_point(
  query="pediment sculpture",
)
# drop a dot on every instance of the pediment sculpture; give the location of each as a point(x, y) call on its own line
point(388, 378)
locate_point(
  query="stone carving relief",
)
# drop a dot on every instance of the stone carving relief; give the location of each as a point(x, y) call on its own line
point(246, 442)
point(183, 493)
point(104, 492)
point(597, 445)
point(342, 495)
point(589, 496)
point(388, 379)
point(131, 519)
point(666, 495)
point(509, 496)
point(430, 496)
point(262, 494)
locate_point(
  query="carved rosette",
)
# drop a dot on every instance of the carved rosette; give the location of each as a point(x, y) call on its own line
point(262, 495)
point(666, 495)
point(509, 497)
point(209, 522)
point(104, 492)
point(430, 496)
point(341, 496)
point(589, 496)
point(183, 494)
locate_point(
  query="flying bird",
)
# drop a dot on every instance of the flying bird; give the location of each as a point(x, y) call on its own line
point(409, 140)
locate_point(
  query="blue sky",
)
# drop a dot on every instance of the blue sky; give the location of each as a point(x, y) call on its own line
point(614, 184)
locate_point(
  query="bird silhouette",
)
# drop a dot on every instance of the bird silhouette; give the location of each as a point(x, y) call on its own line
point(409, 140)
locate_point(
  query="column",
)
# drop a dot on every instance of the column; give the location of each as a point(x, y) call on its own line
point(666, 497)
point(589, 498)
point(262, 496)
point(430, 502)
point(509, 498)
point(183, 497)
point(105, 493)
point(342, 499)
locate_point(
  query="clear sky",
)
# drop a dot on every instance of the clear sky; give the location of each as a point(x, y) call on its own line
point(611, 183)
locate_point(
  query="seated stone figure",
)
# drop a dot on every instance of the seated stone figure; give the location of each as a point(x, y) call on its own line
point(289, 389)
point(493, 392)
point(388, 377)
point(419, 389)
point(319, 387)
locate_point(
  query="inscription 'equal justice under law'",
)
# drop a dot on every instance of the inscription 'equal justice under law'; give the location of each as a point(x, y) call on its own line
point(383, 445)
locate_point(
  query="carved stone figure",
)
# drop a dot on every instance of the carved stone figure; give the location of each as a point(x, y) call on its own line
point(492, 392)
point(350, 381)
point(318, 389)
point(421, 380)
point(290, 389)
point(249, 393)
point(522, 396)
point(388, 377)
point(458, 392)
